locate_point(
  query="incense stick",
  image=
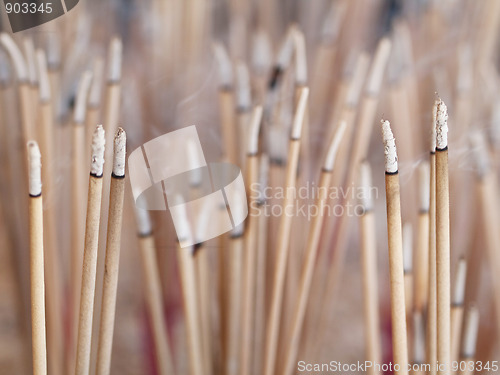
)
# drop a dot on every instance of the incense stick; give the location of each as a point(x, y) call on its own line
point(90, 253)
point(373, 339)
point(112, 255)
point(442, 240)
point(468, 349)
point(395, 240)
point(284, 236)
point(250, 236)
point(38, 340)
point(154, 298)
point(311, 252)
point(408, 267)
point(457, 308)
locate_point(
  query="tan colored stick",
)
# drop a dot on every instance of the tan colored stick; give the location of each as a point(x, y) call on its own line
point(418, 349)
point(395, 240)
point(284, 236)
point(234, 311)
point(90, 254)
point(112, 262)
point(39, 346)
point(54, 279)
point(373, 340)
point(408, 269)
point(421, 256)
point(431, 354)
point(153, 294)
point(457, 308)
point(311, 252)
point(250, 240)
point(78, 176)
point(442, 241)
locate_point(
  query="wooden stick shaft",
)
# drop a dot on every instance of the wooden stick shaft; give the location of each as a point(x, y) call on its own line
point(38, 339)
point(188, 281)
point(457, 313)
point(234, 301)
point(154, 303)
point(281, 259)
point(443, 261)
point(398, 313)
point(250, 239)
point(307, 275)
point(228, 123)
point(373, 338)
point(432, 301)
point(110, 285)
point(421, 289)
point(88, 276)
point(202, 264)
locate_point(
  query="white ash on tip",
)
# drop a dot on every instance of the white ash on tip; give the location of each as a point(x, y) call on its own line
point(441, 126)
point(471, 328)
point(390, 153)
point(365, 182)
point(434, 124)
point(407, 247)
point(460, 280)
point(286, 50)
point(261, 52)
point(81, 97)
point(44, 83)
point(143, 219)
point(16, 56)
point(224, 64)
point(334, 146)
point(97, 159)
point(237, 211)
point(480, 153)
point(253, 131)
point(119, 148)
point(35, 169)
point(115, 60)
point(29, 50)
point(300, 57)
point(182, 225)
point(378, 67)
point(96, 86)
point(298, 120)
point(424, 186)
point(243, 94)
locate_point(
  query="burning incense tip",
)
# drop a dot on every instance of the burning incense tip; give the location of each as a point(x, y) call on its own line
point(243, 95)
point(334, 146)
point(29, 50)
point(97, 160)
point(460, 278)
point(424, 183)
point(143, 222)
point(300, 56)
point(115, 60)
point(441, 126)
point(44, 88)
point(253, 133)
point(480, 153)
point(96, 88)
point(300, 113)
point(391, 157)
point(119, 153)
point(15, 54)
point(81, 97)
point(407, 248)
point(224, 64)
point(471, 328)
point(35, 169)
point(366, 185)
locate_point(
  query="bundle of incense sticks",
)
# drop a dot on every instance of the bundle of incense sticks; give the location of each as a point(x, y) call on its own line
point(346, 251)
